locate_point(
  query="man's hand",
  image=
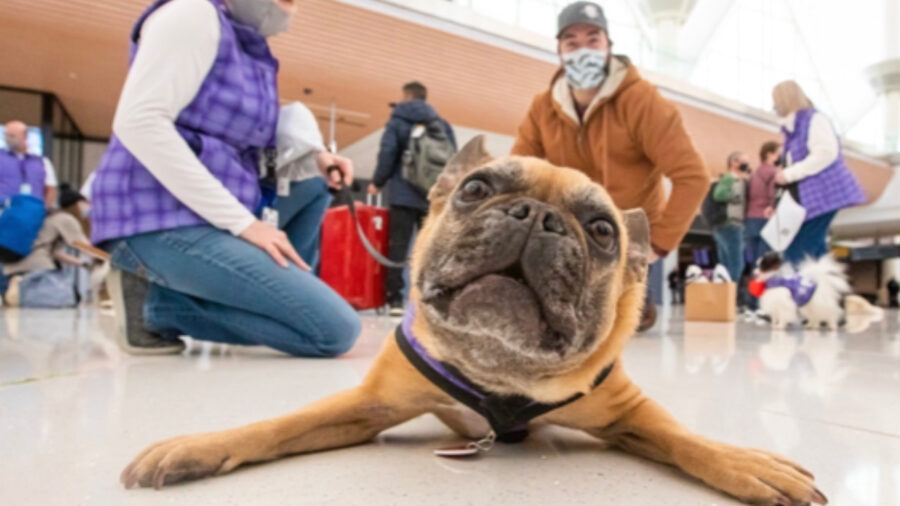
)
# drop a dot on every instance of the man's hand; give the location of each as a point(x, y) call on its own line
point(274, 242)
point(324, 159)
point(769, 212)
point(372, 189)
point(780, 179)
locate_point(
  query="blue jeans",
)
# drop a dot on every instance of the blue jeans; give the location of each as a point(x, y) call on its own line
point(811, 240)
point(300, 216)
point(730, 248)
point(213, 286)
point(756, 245)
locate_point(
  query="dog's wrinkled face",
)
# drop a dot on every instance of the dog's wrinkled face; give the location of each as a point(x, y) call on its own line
point(520, 267)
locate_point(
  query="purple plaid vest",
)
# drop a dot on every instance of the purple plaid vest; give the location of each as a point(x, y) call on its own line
point(227, 124)
point(15, 171)
point(832, 189)
point(802, 289)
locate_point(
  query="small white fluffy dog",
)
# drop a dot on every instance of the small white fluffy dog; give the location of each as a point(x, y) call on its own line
point(815, 292)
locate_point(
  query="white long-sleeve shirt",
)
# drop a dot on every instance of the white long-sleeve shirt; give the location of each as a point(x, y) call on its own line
point(822, 143)
point(178, 45)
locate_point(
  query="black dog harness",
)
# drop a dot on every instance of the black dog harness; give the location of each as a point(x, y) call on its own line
point(508, 415)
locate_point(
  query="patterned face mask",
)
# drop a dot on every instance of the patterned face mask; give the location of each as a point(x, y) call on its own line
point(585, 68)
point(264, 15)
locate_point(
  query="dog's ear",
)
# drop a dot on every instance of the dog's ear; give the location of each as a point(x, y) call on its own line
point(638, 228)
point(472, 155)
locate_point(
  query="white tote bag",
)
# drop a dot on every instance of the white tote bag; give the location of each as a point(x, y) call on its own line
point(783, 226)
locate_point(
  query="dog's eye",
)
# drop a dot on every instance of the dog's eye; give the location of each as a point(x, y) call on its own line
point(602, 232)
point(474, 190)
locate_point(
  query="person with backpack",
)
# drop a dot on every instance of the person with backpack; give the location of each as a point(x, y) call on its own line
point(731, 191)
point(415, 146)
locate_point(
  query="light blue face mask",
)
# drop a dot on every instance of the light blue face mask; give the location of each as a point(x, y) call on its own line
point(264, 15)
point(585, 68)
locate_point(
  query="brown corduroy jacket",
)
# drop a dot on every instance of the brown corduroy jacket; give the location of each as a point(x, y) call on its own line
point(630, 138)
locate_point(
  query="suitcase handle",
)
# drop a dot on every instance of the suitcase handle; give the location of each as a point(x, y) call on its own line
point(345, 193)
point(376, 198)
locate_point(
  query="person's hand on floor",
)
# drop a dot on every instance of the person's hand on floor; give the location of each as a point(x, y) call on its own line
point(274, 242)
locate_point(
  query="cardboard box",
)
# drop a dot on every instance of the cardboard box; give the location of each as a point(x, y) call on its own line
point(710, 302)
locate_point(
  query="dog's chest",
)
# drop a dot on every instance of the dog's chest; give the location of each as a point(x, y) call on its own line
point(463, 420)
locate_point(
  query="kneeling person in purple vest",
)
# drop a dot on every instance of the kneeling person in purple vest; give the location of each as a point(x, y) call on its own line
point(177, 201)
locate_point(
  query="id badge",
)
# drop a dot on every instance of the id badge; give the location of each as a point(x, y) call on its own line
point(284, 187)
point(25, 189)
point(270, 216)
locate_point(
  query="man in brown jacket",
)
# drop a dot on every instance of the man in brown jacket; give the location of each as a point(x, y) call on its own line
point(601, 117)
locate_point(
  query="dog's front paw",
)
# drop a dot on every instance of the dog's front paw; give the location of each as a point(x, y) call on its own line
point(178, 459)
point(753, 476)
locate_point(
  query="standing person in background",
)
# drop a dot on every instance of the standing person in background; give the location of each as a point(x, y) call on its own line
point(814, 167)
point(407, 204)
point(732, 190)
point(601, 117)
point(176, 197)
point(23, 172)
point(300, 165)
point(761, 200)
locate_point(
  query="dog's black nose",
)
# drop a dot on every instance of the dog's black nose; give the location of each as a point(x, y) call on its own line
point(520, 211)
point(553, 222)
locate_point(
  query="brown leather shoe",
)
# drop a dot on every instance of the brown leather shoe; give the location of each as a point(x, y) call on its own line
point(648, 318)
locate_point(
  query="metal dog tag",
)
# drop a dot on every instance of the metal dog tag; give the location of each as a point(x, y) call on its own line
point(468, 450)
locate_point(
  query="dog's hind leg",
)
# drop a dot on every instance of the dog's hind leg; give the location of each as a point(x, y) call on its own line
point(392, 393)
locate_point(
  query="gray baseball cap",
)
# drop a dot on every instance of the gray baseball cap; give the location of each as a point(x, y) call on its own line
point(581, 12)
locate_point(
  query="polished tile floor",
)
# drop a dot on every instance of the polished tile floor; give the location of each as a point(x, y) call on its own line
point(74, 410)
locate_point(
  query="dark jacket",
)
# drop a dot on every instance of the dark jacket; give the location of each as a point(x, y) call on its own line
point(394, 142)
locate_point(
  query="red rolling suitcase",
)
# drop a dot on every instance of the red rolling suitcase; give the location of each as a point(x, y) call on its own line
point(346, 266)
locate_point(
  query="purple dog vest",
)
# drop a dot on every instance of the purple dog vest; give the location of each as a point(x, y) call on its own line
point(15, 171)
point(229, 121)
point(802, 289)
point(833, 188)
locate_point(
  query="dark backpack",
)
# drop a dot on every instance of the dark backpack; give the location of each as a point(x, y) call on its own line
point(715, 213)
point(428, 151)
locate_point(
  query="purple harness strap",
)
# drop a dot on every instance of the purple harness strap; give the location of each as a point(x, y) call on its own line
point(507, 415)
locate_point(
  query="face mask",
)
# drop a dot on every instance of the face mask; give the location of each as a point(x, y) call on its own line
point(585, 68)
point(84, 210)
point(779, 162)
point(264, 15)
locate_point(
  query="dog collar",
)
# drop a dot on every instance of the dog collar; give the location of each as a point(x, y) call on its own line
point(508, 415)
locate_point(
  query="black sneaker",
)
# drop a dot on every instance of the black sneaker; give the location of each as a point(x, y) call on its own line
point(396, 308)
point(128, 293)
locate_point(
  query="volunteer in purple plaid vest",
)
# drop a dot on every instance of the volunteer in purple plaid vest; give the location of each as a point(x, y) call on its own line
point(176, 196)
point(21, 171)
point(813, 161)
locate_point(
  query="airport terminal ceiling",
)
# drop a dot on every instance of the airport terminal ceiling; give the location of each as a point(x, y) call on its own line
point(352, 53)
